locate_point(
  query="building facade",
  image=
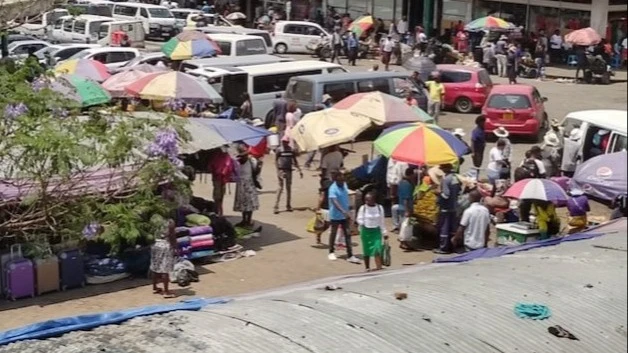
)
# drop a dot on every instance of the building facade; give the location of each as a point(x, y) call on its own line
point(607, 17)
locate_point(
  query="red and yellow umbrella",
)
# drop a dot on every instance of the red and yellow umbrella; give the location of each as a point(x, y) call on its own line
point(361, 25)
point(488, 23)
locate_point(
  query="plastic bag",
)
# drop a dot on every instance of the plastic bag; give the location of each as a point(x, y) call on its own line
point(405, 232)
point(320, 225)
point(386, 258)
point(311, 225)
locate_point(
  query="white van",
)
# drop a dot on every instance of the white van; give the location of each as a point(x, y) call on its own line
point(181, 16)
point(41, 25)
point(239, 30)
point(590, 122)
point(264, 82)
point(239, 45)
point(134, 29)
point(158, 21)
point(296, 36)
point(79, 29)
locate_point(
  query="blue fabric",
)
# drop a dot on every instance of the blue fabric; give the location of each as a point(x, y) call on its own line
point(341, 194)
point(229, 113)
point(370, 170)
point(352, 42)
point(487, 253)
point(478, 138)
point(104, 267)
point(405, 190)
point(532, 311)
point(57, 327)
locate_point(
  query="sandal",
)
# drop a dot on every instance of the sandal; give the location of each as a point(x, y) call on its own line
point(157, 291)
point(169, 295)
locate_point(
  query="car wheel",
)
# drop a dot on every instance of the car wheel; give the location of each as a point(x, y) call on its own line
point(281, 48)
point(464, 105)
point(325, 53)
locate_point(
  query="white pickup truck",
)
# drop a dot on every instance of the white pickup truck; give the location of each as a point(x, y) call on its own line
point(41, 25)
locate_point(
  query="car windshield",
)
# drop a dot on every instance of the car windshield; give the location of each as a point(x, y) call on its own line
point(509, 101)
point(180, 15)
point(80, 55)
point(41, 53)
point(160, 13)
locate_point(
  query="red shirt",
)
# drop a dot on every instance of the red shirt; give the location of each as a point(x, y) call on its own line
point(258, 151)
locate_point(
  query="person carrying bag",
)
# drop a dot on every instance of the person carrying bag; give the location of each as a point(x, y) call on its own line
point(372, 231)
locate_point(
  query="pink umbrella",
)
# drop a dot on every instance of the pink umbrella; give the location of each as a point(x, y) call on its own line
point(117, 83)
point(585, 37)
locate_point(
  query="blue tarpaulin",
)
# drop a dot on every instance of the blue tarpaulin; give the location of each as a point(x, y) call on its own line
point(487, 253)
point(57, 327)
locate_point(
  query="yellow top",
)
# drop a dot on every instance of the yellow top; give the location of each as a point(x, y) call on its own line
point(436, 90)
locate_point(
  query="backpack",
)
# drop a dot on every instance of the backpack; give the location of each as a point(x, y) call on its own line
point(528, 170)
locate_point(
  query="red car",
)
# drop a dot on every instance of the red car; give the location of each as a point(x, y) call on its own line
point(466, 88)
point(518, 108)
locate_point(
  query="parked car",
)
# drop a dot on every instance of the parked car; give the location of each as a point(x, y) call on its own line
point(213, 30)
point(239, 44)
point(145, 58)
point(591, 121)
point(157, 20)
point(56, 53)
point(296, 36)
point(18, 38)
point(518, 108)
point(112, 57)
point(308, 91)
point(466, 88)
point(20, 49)
point(77, 29)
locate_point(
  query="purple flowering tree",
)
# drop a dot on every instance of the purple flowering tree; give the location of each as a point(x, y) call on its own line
point(80, 177)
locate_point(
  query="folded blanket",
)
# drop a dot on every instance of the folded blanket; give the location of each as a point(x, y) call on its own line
point(197, 220)
point(182, 232)
point(201, 237)
point(200, 230)
point(200, 254)
point(106, 279)
point(185, 241)
point(202, 244)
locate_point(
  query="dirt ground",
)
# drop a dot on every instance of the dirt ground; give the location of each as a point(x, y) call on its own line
point(286, 253)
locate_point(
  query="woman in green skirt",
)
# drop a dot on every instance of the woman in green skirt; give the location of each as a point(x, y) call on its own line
point(370, 218)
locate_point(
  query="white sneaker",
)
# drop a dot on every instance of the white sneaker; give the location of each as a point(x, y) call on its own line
point(332, 257)
point(354, 260)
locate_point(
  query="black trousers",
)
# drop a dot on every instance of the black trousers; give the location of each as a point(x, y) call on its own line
point(335, 224)
point(335, 55)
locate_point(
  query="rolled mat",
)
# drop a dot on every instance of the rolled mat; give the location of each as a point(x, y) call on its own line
point(201, 237)
point(202, 244)
point(199, 230)
point(200, 254)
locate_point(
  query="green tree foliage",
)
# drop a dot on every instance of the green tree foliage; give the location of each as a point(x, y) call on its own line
point(52, 153)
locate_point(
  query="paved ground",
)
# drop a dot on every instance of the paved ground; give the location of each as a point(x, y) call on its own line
point(286, 254)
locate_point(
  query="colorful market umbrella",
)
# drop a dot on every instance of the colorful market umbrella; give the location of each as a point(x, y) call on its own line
point(585, 37)
point(382, 108)
point(361, 25)
point(328, 127)
point(489, 23)
point(163, 86)
point(85, 91)
point(83, 67)
point(117, 83)
point(604, 176)
point(420, 144)
point(232, 130)
point(537, 189)
point(189, 44)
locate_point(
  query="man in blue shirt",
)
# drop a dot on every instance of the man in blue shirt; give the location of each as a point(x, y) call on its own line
point(450, 188)
point(403, 208)
point(339, 215)
point(478, 141)
point(352, 44)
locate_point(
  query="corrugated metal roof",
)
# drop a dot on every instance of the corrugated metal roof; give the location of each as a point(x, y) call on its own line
point(450, 308)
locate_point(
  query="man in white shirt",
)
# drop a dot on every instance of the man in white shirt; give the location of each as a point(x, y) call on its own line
point(395, 172)
point(474, 229)
point(556, 47)
point(336, 44)
point(387, 49)
point(402, 26)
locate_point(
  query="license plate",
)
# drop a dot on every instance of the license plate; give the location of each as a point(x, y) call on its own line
point(508, 116)
point(165, 34)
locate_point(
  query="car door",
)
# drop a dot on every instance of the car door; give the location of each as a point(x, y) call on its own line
point(448, 79)
point(617, 143)
point(66, 32)
point(116, 59)
point(78, 32)
point(293, 34)
point(539, 105)
point(311, 36)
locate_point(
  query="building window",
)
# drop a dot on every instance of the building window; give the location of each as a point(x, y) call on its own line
point(385, 9)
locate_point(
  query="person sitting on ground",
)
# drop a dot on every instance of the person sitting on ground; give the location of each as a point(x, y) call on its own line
point(370, 218)
point(474, 229)
point(578, 206)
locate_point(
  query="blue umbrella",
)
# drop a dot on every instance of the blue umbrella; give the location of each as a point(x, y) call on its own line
point(232, 130)
point(604, 176)
point(229, 113)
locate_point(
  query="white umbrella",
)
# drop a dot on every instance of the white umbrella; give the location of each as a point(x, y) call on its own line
point(236, 16)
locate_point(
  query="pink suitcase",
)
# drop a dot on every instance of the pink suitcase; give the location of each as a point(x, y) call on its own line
point(19, 275)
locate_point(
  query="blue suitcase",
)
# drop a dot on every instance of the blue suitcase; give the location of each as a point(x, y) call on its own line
point(71, 269)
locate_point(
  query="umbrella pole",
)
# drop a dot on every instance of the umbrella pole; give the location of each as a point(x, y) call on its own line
point(372, 150)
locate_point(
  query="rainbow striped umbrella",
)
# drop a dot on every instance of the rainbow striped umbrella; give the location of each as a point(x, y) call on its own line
point(163, 86)
point(489, 23)
point(84, 91)
point(361, 25)
point(382, 108)
point(83, 67)
point(117, 83)
point(537, 189)
point(420, 144)
point(189, 44)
